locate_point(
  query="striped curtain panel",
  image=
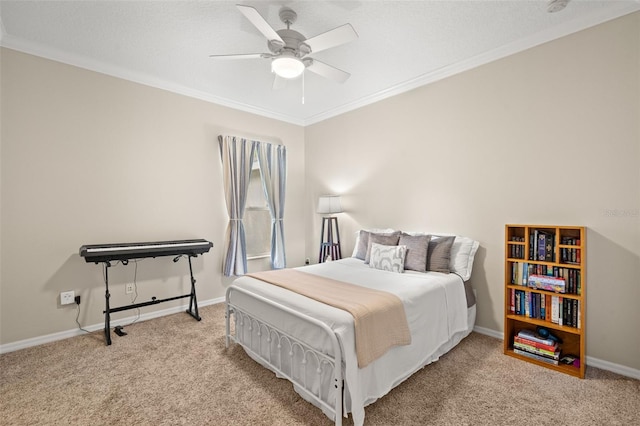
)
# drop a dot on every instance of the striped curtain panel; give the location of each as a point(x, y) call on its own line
point(237, 158)
point(273, 169)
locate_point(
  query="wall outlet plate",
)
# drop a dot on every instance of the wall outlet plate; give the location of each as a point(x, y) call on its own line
point(128, 288)
point(67, 297)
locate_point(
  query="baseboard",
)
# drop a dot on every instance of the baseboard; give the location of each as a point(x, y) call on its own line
point(591, 361)
point(488, 332)
point(614, 368)
point(35, 341)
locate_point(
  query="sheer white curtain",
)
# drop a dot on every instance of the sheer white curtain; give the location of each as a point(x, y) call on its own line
point(273, 169)
point(237, 158)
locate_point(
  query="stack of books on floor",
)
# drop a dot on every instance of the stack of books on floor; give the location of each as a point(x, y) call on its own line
point(528, 343)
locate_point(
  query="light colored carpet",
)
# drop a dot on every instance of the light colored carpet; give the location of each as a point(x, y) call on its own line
point(176, 371)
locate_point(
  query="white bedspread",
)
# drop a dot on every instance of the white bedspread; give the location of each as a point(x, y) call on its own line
point(435, 306)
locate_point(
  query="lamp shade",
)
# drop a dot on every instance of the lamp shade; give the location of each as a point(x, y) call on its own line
point(329, 204)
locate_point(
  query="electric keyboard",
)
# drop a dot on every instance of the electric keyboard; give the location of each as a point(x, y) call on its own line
point(106, 253)
point(125, 251)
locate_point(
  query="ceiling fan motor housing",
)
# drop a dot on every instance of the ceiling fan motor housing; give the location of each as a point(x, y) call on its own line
point(294, 43)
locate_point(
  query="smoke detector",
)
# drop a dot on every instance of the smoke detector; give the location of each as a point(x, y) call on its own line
point(556, 5)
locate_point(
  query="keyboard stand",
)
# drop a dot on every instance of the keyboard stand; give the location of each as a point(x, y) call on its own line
point(193, 301)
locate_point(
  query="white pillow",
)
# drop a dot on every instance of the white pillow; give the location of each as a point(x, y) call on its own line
point(387, 258)
point(463, 252)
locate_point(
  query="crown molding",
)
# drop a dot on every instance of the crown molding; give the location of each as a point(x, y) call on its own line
point(485, 58)
point(79, 61)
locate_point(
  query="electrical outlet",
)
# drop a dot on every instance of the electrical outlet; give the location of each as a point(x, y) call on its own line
point(128, 288)
point(67, 297)
point(307, 261)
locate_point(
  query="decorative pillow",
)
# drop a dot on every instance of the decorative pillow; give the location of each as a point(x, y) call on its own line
point(417, 248)
point(387, 258)
point(362, 241)
point(439, 254)
point(463, 252)
point(387, 240)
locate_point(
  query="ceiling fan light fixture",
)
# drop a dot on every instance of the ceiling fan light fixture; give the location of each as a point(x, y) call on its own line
point(287, 66)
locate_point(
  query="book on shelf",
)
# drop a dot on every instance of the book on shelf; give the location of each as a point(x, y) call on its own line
point(519, 273)
point(535, 337)
point(555, 309)
point(519, 302)
point(543, 282)
point(542, 352)
point(516, 251)
point(570, 255)
point(569, 314)
point(541, 246)
point(533, 343)
point(536, 356)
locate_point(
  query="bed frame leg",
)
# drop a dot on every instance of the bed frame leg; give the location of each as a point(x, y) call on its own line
point(227, 315)
point(339, 398)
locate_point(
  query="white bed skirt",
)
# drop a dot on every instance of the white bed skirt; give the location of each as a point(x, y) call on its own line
point(446, 347)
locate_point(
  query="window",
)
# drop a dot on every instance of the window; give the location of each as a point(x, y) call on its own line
point(257, 218)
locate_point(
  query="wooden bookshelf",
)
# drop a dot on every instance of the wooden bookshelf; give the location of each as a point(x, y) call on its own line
point(563, 255)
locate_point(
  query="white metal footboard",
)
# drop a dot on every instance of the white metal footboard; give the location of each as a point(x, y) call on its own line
point(268, 343)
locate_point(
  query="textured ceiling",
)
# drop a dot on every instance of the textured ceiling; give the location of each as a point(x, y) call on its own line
point(401, 44)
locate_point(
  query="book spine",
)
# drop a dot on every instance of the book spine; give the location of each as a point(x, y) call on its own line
point(555, 309)
point(535, 356)
point(525, 341)
point(560, 311)
point(530, 335)
point(579, 319)
point(541, 246)
point(537, 351)
point(549, 249)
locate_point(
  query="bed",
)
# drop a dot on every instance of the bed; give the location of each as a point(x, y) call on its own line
point(312, 344)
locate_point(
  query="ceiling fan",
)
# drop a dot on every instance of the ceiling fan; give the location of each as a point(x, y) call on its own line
point(289, 49)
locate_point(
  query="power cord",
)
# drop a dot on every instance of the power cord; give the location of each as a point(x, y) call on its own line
point(78, 315)
point(135, 292)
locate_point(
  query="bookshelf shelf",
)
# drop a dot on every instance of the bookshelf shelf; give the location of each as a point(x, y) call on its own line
point(545, 286)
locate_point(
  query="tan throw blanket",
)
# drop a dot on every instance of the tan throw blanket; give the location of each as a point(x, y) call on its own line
point(379, 318)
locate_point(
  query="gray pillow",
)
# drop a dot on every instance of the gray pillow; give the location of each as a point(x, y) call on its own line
point(417, 249)
point(385, 240)
point(439, 254)
point(363, 243)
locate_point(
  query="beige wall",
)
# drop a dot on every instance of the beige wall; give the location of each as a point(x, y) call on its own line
point(550, 135)
point(547, 136)
point(90, 159)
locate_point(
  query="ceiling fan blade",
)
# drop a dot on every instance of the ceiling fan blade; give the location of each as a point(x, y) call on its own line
point(332, 38)
point(241, 56)
point(259, 22)
point(328, 71)
point(279, 82)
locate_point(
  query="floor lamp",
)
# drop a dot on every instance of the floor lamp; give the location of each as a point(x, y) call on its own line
point(328, 205)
